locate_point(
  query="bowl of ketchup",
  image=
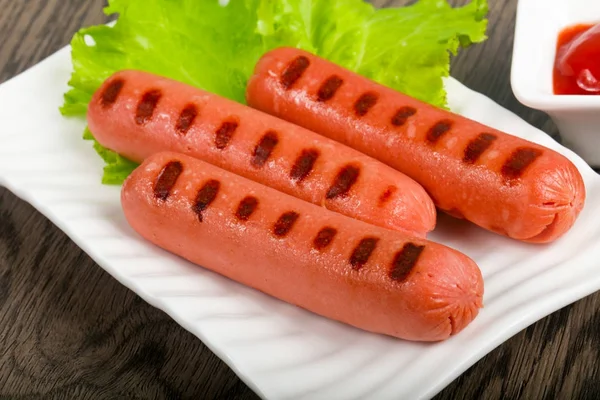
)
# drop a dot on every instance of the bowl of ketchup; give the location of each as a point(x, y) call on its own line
point(577, 63)
point(556, 68)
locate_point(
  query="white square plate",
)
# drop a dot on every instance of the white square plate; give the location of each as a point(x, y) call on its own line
point(280, 351)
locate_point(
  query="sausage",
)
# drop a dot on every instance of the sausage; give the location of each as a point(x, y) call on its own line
point(138, 114)
point(341, 268)
point(498, 181)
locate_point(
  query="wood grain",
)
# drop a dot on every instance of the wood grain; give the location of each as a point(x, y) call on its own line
point(69, 330)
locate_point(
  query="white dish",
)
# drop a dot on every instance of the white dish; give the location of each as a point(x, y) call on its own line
point(280, 351)
point(537, 27)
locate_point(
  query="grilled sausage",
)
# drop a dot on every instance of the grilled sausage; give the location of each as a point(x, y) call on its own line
point(370, 277)
point(498, 181)
point(138, 114)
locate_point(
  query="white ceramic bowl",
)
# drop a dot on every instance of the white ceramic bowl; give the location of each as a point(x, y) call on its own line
point(537, 27)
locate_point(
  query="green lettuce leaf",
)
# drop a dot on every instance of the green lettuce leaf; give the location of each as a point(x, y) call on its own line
point(214, 45)
point(117, 167)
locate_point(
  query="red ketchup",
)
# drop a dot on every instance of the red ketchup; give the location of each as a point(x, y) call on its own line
point(577, 64)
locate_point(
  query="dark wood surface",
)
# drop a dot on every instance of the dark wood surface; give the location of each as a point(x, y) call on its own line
point(69, 330)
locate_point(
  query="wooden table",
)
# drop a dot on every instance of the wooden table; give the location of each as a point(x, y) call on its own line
point(69, 330)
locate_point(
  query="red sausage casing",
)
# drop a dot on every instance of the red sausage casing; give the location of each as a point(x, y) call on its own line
point(138, 114)
point(372, 278)
point(498, 181)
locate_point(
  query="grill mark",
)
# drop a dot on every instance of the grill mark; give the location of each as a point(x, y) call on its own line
point(402, 115)
point(304, 164)
point(519, 161)
point(478, 146)
point(111, 92)
point(329, 88)
point(387, 194)
point(294, 71)
point(146, 106)
point(166, 179)
point(404, 261)
point(362, 252)
point(285, 223)
point(206, 195)
point(246, 208)
point(264, 148)
point(438, 130)
point(343, 182)
point(324, 237)
point(186, 118)
point(224, 134)
point(364, 103)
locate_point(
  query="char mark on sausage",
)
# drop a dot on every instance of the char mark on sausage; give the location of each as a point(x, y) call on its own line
point(111, 93)
point(206, 195)
point(166, 179)
point(362, 252)
point(146, 106)
point(294, 71)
